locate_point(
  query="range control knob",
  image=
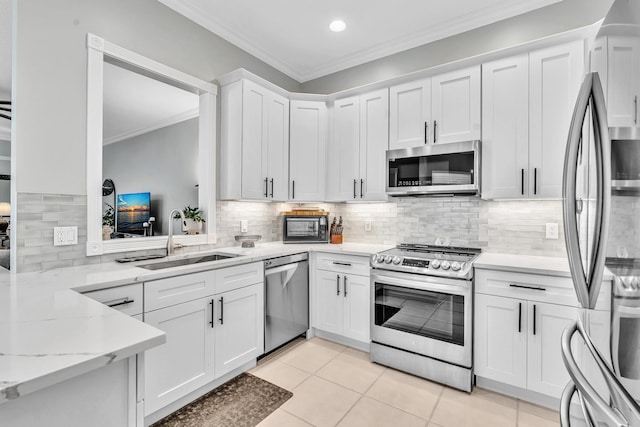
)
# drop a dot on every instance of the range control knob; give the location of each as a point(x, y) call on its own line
point(396, 260)
point(445, 265)
point(388, 259)
point(455, 266)
point(376, 258)
point(435, 264)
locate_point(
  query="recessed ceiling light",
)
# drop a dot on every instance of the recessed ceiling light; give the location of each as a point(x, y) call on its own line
point(337, 26)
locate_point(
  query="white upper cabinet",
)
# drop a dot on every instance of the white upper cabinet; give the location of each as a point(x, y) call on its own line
point(356, 154)
point(455, 105)
point(409, 114)
point(443, 108)
point(623, 57)
point(374, 143)
point(307, 151)
point(255, 143)
point(555, 75)
point(505, 127)
point(527, 105)
point(344, 150)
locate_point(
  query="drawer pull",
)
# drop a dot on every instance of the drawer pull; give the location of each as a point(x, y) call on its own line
point(533, 288)
point(346, 264)
point(125, 301)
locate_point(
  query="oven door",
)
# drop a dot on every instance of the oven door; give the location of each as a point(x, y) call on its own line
point(423, 314)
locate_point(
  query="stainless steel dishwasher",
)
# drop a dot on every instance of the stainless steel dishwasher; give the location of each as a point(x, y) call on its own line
point(286, 299)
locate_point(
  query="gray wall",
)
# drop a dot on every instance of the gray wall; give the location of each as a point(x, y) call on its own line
point(163, 162)
point(50, 72)
point(554, 19)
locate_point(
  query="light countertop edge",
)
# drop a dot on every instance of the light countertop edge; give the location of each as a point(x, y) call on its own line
point(38, 311)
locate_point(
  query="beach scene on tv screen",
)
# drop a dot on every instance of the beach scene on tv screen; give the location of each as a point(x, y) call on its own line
point(133, 211)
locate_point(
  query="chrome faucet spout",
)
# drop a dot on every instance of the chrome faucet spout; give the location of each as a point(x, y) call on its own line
point(170, 246)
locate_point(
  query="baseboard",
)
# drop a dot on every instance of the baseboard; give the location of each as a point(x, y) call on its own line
point(519, 393)
point(349, 342)
point(171, 408)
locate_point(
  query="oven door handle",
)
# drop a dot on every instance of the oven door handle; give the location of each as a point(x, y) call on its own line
point(426, 283)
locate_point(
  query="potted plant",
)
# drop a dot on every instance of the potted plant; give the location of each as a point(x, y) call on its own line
point(192, 220)
point(108, 222)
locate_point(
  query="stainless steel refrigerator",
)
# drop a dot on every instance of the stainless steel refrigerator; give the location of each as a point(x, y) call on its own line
point(601, 209)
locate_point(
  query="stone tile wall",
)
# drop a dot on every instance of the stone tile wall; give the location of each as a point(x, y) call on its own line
point(495, 226)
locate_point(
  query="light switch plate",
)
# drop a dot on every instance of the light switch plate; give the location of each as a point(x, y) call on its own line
point(367, 224)
point(244, 226)
point(552, 230)
point(63, 236)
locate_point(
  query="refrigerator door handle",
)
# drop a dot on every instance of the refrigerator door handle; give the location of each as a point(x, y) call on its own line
point(587, 282)
point(591, 401)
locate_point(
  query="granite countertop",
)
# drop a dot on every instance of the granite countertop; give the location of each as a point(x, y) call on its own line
point(49, 332)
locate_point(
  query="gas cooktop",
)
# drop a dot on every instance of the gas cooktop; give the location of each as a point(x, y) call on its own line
point(442, 261)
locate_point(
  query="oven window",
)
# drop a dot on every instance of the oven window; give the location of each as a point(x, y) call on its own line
point(430, 314)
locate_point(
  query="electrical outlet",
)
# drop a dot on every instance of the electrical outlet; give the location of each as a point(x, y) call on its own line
point(244, 226)
point(63, 236)
point(367, 224)
point(552, 230)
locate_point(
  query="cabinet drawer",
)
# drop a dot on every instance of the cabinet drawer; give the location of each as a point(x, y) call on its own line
point(127, 299)
point(175, 290)
point(534, 287)
point(228, 279)
point(352, 264)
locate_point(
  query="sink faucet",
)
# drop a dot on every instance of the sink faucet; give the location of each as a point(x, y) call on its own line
point(170, 247)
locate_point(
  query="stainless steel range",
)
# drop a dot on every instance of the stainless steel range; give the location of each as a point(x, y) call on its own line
point(422, 312)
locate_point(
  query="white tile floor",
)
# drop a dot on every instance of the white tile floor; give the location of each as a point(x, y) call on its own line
point(334, 385)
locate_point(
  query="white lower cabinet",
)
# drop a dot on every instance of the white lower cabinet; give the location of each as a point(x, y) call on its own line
point(239, 329)
point(519, 320)
point(185, 362)
point(207, 337)
point(342, 300)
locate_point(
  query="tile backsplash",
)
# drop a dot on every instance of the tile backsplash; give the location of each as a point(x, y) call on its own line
point(516, 227)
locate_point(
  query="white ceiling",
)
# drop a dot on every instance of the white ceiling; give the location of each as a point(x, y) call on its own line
point(135, 104)
point(293, 36)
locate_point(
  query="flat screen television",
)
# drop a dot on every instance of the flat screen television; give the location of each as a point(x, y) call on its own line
point(132, 211)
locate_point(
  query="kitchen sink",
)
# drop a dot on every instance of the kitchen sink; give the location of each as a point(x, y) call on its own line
point(186, 261)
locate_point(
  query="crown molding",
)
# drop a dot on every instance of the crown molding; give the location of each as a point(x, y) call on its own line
point(190, 114)
point(503, 10)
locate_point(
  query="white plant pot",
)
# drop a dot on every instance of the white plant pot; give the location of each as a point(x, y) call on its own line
point(190, 226)
point(106, 232)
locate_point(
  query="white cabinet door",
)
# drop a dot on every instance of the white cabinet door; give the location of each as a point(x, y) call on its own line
point(308, 148)
point(328, 301)
point(239, 328)
point(185, 362)
point(500, 344)
point(455, 105)
point(598, 62)
point(254, 141)
point(505, 127)
point(278, 147)
point(344, 150)
point(623, 67)
point(356, 292)
point(555, 77)
point(409, 114)
point(374, 142)
point(545, 371)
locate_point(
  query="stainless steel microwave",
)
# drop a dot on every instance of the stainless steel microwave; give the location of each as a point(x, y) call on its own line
point(625, 158)
point(305, 229)
point(452, 168)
